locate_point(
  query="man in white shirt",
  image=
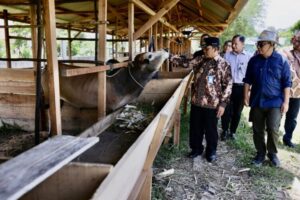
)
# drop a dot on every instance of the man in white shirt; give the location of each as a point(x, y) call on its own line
point(238, 59)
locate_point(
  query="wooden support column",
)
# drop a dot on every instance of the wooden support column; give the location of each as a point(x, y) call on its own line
point(6, 36)
point(54, 95)
point(34, 38)
point(131, 30)
point(155, 35)
point(149, 38)
point(176, 136)
point(161, 39)
point(169, 49)
point(102, 16)
point(69, 43)
point(145, 193)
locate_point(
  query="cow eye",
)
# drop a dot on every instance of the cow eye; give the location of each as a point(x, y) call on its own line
point(150, 56)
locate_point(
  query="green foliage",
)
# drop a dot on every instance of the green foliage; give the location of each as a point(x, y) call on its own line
point(2, 49)
point(252, 15)
point(21, 48)
point(7, 129)
point(296, 26)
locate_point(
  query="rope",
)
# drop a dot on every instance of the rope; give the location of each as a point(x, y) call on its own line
point(134, 78)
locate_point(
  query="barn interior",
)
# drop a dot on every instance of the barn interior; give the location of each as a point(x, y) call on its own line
point(143, 26)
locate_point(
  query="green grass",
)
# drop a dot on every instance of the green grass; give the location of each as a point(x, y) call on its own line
point(8, 129)
point(265, 180)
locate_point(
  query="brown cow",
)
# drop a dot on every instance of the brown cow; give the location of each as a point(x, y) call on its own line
point(123, 87)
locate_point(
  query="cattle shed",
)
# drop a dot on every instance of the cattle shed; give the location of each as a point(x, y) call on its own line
point(145, 25)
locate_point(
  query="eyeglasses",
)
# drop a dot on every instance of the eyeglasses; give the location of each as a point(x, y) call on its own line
point(261, 44)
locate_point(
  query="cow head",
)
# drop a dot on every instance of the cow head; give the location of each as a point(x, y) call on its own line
point(150, 61)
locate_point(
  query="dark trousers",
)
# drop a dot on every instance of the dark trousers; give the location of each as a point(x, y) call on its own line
point(203, 121)
point(291, 119)
point(262, 118)
point(233, 110)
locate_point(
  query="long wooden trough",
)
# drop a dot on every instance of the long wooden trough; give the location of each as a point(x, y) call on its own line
point(129, 178)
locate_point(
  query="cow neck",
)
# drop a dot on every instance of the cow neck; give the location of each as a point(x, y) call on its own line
point(132, 77)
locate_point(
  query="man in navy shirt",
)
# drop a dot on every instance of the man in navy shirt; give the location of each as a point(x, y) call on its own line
point(268, 75)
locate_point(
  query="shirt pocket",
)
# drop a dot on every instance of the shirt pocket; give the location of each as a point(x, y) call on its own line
point(273, 82)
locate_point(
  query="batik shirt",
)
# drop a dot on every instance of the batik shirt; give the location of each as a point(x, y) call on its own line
point(212, 82)
point(295, 73)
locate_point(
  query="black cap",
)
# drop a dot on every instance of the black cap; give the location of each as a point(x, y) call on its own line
point(212, 41)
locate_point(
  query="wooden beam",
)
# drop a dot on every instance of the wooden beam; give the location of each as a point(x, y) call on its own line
point(51, 50)
point(155, 35)
point(161, 39)
point(6, 36)
point(102, 16)
point(224, 5)
point(131, 39)
point(13, 2)
point(34, 38)
point(154, 18)
point(238, 7)
point(67, 70)
point(149, 11)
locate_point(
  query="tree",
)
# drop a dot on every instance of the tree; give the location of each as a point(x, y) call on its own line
point(251, 16)
point(296, 26)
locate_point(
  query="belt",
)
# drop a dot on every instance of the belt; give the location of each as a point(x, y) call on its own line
point(238, 84)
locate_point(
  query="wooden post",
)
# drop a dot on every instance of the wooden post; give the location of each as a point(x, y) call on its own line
point(149, 38)
point(155, 35)
point(145, 193)
point(69, 43)
point(161, 41)
point(34, 38)
point(176, 136)
point(54, 95)
point(102, 16)
point(6, 35)
point(169, 49)
point(131, 30)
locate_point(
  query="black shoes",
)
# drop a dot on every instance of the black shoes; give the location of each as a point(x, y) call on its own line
point(211, 157)
point(194, 154)
point(288, 143)
point(258, 160)
point(274, 159)
point(231, 136)
point(224, 135)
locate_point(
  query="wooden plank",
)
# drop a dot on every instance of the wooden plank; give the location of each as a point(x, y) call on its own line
point(101, 95)
point(138, 185)
point(154, 19)
point(74, 181)
point(17, 112)
point(131, 40)
point(51, 50)
point(24, 172)
point(26, 88)
point(118, 185)
point(149, 11)
point(156, 142)
point(21, 75)
point(67, 70)
point(101, 125)
point(170, 75)
point(25, 124)
point(19, 100)
point(145, 193)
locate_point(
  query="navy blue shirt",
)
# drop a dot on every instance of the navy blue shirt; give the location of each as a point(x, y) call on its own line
point(268, 77)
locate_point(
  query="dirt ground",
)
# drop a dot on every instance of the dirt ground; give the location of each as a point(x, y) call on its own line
point(198, 179)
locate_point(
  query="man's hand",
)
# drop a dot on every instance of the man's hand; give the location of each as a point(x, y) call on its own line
point(220, 111)
point(246, 100)
point(284, 107)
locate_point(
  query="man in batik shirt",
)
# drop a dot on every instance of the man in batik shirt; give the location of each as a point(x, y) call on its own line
point(210, 94)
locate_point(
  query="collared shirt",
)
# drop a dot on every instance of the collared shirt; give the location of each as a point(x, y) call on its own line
point(295, 72)
point(212, 82)
point(238, 64)
point(268, 77)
